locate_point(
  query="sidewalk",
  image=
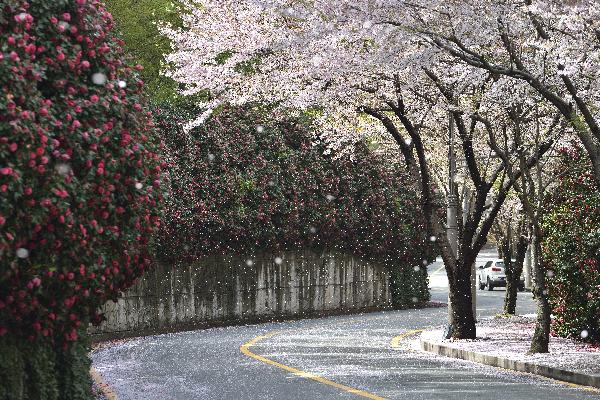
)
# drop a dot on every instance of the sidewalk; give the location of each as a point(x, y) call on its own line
point(504, 342)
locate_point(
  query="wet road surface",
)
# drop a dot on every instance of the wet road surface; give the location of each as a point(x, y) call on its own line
point(352, 356)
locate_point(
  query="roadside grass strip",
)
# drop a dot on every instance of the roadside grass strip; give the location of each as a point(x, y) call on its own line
point(245, 349)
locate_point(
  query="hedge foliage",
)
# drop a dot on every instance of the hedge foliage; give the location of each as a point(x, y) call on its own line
point(137, 21)
point(571, 249)
point(251, 179)
point(79, 184)
point(39, 370)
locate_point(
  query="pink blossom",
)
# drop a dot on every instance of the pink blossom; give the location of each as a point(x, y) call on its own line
point(60, 193)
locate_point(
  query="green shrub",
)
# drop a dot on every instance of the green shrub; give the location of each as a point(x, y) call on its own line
point(137, 20)
point(38, 370)
point(571, 249)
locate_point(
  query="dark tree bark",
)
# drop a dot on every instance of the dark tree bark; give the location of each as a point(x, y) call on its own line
point(512, 269)
point(463, 320)
point(541, 336)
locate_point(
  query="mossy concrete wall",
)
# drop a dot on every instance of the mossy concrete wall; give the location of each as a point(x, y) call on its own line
point(230, 289)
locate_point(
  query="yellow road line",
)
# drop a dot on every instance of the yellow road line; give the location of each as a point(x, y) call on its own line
point(439, 269)
point(245, 349)
point(102, 385)
point(395, 342)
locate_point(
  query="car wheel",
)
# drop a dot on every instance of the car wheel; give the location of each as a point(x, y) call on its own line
point(481, 285)
point(489, 285)
point(521, 288)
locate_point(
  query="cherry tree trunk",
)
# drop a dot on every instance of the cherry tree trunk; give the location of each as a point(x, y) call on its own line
point(513, 274)
point(510, 298)
point(541, 335)
point(463, 320)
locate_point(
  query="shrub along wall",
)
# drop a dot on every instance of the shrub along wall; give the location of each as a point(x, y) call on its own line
point(249, 179)
point(79, 180)
point(571, 249)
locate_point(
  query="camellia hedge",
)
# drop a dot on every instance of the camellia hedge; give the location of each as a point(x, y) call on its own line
point(79, 189)
point(571, 249)
point(251, 179)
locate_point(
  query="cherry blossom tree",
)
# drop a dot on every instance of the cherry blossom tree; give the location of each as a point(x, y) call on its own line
point(514, 148)
point(552, 46)
point(345, 60)
point(510, 232)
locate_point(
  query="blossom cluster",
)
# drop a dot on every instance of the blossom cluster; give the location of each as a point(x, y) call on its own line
point(79, 168)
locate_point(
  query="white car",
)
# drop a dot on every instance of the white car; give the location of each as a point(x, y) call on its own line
point(492, 275)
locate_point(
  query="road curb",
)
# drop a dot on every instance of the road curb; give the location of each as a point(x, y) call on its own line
point(102, 385)
point(577, 378)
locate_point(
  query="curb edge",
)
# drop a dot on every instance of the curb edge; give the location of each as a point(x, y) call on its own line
point(102, 385)
point(591, 382)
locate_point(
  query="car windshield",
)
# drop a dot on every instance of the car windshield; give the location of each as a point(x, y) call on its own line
point(500, 264)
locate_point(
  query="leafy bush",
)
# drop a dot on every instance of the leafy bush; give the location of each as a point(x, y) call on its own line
point(250, 179)
point(79, 174)
point(571, 249)
point(137, 20)
point(38, 370)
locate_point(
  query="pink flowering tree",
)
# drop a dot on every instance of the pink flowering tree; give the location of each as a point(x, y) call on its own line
point(357, 61)
point(79, 172)
point(550, 46)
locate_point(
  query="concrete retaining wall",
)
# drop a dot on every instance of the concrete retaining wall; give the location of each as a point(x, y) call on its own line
point(218, 290)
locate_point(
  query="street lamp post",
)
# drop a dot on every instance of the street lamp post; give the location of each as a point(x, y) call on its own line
point(451, 215)
point(466, 208)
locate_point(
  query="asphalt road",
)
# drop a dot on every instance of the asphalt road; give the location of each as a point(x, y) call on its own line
point(345, 357)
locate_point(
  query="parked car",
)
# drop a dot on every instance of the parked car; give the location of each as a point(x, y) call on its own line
point(492, 275)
